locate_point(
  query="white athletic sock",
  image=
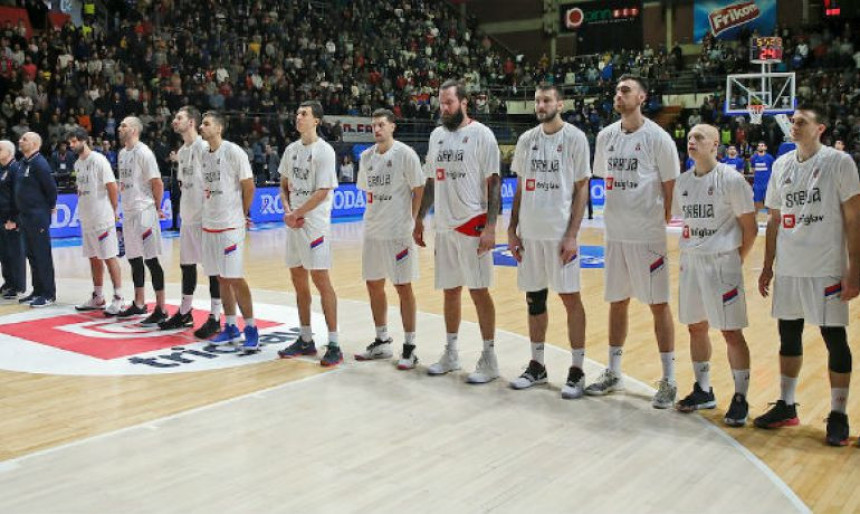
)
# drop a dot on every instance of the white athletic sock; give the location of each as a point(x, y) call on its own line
point(787, 386)
point(98, 291)
point(742, 380)
point(702, 370)
point(215, 308)
point(231, 320)
point(668, 361)
point(615, 353)
point(451, 341)
point(838, 399)
point(382, 332)
point(332, 338)
point(537, 352)
point(409, 338)
point(578, 355)
point(185, 306)
point(488, 345)
point(250, 322)
point(307, 334)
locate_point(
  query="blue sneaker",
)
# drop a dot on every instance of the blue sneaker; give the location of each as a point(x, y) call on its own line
point(252, 340)
point(40, 301)
point(229, 335)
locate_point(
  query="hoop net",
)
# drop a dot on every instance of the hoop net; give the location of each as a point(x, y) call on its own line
point(756, 111)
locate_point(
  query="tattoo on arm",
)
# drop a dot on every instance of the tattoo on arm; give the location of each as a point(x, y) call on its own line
point(427, 199)
point(494, 198)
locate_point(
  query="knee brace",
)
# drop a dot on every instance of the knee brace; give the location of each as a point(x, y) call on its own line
point(537, 302)
point(836, 340)
point(790, 337)
point(214, 287)
point(156, 272)
point(189, 278)
point(137, 272)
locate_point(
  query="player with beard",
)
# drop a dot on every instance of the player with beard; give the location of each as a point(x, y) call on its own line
point(97, 209)
point(141, 189)
point(552, 163)
point(189, 159)
point(463, 180)
point(639, 163)
point(761, 162)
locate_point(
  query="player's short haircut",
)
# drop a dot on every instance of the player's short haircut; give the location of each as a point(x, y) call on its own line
point(135, 123)
point(643, 84)
point(192, 113)
point(820, 115)
point(461, 87)
point(218, 118)
point(384, 113)
point(79, 133)
point(551, 87)
point(316, 108)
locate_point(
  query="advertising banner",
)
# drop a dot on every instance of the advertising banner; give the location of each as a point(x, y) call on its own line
point(356, 129)
point(602, 25)
point(725, 19)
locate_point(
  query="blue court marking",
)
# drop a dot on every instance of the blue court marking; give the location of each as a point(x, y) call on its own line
point(590, 256)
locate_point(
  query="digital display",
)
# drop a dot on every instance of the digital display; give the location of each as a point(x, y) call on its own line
point(766, 49)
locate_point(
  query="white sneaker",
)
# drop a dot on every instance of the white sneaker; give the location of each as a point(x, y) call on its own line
point(575, 386)
point(408, 359)
point(95, 303)
point(449, 361)
point(607, 382)
point(378, 349)
point(115, 306)
point(486, 370)
point(665, 396)
point(534, 374)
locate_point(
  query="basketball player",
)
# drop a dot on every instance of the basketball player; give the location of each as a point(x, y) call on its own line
point(390, 173)
point(308, 178)
point(715, 203)
point(97, 209)
point(463, 164)
point(813, 235)
point(761, 162)
point(142, 190)
point(552, 162)
point(639, 163)
point(228, 185)
point(189, 160)
point(733, 159)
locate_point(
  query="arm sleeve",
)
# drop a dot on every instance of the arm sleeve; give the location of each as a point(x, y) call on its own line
point(599, 168)
point(489, 154)
point(848, 180)
point(517, 162)
point(412, 168)
point(740, 195)
point(676, 199)
point(243, 165)
point(283, 166)
point(361, 176)
point(429, 161)
point(325, 168)
point(47, 184)
point(666, 156)
point(581, 158)
point(149, 166)
point(772, 199)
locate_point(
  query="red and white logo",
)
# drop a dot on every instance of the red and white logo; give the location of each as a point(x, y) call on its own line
point(733, 16)
point(609, 182)
point(440, 173)
point(574, 18)
point(61, 341)
point(788, 221)
point(685, 233)
point(369, 197)
point(530, 184)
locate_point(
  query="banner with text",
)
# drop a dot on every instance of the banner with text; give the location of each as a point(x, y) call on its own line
point(726, 19)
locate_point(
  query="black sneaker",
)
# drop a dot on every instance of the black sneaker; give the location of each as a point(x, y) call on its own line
point(333, 356)
point(176, 321)
point(738, 411)
point(27, 299)
point(780, 415)
point(131, 310)
point(574, 387)
point(298, 349)
point(534, 374)
point(155, 319)
point(837, 429)
point(408, 359)
point(697, 400)
point(208, 329)
point(378, 349)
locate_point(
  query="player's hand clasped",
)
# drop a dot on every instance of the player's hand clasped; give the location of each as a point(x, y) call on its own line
point(293, 220)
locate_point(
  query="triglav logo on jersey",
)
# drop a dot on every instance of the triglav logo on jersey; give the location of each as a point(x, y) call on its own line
point(63, 342)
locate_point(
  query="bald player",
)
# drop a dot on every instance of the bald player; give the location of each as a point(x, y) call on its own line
point(141, 191)
point(715, 203)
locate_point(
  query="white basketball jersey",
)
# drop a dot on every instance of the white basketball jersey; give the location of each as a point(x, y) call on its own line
point(389, 179)
point(92, 176)
point(223, 171)
point(309, 168)
point(189, 158)
point(137, 168)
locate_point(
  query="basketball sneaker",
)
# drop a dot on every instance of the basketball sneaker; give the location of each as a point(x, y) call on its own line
point(408, 359)
point(449, 361)
point(230, 334)
point(697, 400)
point(27, 299)
point(332, 357)
point(94, 303)
point(738, 411)
point(780, 415)
point(41, 301)
point(665, 395)
point(837, 429)
point(252, 340)
point(607, 382)
point(115, 306)
point(378, 349)
point(486, 370)
point(298, 349)
point(157, 317)
point(534, 374)
point(132, 310)
point(208, 329)
point(178, 320)
point(575, 386)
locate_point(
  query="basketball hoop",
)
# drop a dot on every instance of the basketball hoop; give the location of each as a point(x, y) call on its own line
point(756, 111)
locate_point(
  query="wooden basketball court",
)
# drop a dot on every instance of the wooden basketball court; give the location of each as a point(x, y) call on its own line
point(291, 436)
